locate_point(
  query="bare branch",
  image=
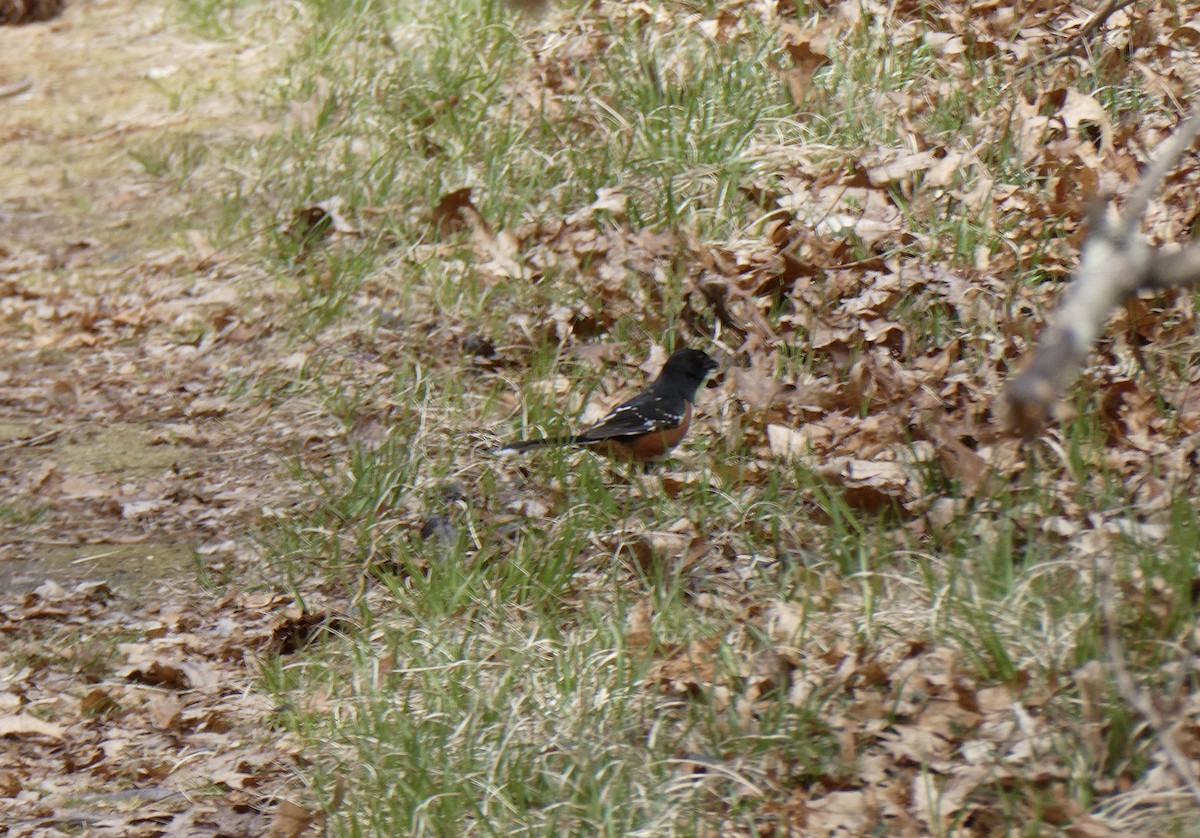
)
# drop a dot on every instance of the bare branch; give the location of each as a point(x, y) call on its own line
point(1174, 269)
point(1114, 263)
point(1106, 275)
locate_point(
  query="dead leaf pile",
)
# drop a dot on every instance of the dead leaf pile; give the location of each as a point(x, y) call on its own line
point(921, 744)
point(150, 700)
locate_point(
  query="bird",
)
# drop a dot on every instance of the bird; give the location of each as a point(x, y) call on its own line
point(645, 428)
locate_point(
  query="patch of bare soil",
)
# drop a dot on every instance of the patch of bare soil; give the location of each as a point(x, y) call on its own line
point(125, 699)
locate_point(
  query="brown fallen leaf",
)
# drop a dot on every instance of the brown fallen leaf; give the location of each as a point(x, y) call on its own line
point(902, 167)
point(318, 221)
point(1079, 110)
point(299, 628)
point(786, 442)
point(22, 725)
point(98, 702)
point(158, 673)
point(958, 461)
point(690, 668)
point(870, 484)
point(456, 212)
point(291, 819)
point(809, 51)
point(756, 386)
point(165, 710)
point(637, 625)
point(841, 813)
point(936, 803)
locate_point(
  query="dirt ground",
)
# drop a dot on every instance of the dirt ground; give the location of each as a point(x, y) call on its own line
point(126, 705)
point(112, 431)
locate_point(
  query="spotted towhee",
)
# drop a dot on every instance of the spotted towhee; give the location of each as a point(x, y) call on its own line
point(650, 424)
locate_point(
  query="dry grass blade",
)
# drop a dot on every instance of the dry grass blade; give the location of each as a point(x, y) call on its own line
point(1133, 695)
point(15, 88)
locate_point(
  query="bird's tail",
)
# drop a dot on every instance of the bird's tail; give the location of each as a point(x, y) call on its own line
point(528, 444)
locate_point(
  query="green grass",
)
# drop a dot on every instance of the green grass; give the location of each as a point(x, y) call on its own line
point(22, 512)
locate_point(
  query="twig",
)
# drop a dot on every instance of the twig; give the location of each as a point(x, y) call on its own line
point(1089, 28)
point(1127, 688)
point(15, 88)
point(717, 299)
point(31, 441)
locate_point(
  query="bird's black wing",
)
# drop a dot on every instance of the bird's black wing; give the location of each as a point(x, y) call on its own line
point(643, 414)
